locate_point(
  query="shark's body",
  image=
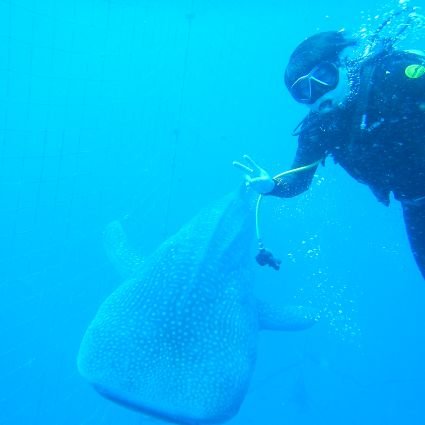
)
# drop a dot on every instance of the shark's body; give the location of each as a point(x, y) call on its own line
point(179, 340)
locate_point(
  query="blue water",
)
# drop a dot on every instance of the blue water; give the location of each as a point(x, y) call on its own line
point(137, 108)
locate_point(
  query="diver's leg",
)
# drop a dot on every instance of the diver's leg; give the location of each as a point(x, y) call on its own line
point(414, 218)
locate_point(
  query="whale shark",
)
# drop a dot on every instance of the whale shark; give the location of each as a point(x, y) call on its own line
point(178, 339)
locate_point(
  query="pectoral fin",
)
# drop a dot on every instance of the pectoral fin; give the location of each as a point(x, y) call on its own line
point(286, 317)
point(124, 258)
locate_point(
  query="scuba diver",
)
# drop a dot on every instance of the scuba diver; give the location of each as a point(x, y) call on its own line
point(367, 111)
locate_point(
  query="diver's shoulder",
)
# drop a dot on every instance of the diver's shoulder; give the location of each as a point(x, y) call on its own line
point(402, 57)
point(396, 66)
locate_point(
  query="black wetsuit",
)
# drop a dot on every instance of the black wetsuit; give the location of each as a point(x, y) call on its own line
point(378, 137)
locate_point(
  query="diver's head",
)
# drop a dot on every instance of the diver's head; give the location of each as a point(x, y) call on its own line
point(315, 74)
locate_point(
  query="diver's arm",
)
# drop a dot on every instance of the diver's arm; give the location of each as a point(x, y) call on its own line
point(293, 184)
point(297, 180)
point(285, 185)
point(290, 183)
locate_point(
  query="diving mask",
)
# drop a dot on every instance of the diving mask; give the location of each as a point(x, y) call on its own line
point(320, 80)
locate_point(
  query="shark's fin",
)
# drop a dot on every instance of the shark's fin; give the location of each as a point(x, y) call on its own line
point(276, 317)
point(123, 257)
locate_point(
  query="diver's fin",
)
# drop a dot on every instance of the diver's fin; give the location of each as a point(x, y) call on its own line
point(286, 317)
point(123, 257)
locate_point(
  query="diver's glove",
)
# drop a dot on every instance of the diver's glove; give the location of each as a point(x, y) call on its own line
point(255, 177)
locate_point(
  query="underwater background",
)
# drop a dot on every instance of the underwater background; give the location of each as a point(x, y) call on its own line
point(136, 109)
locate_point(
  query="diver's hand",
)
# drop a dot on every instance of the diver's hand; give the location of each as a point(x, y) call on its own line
point(256, 177)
